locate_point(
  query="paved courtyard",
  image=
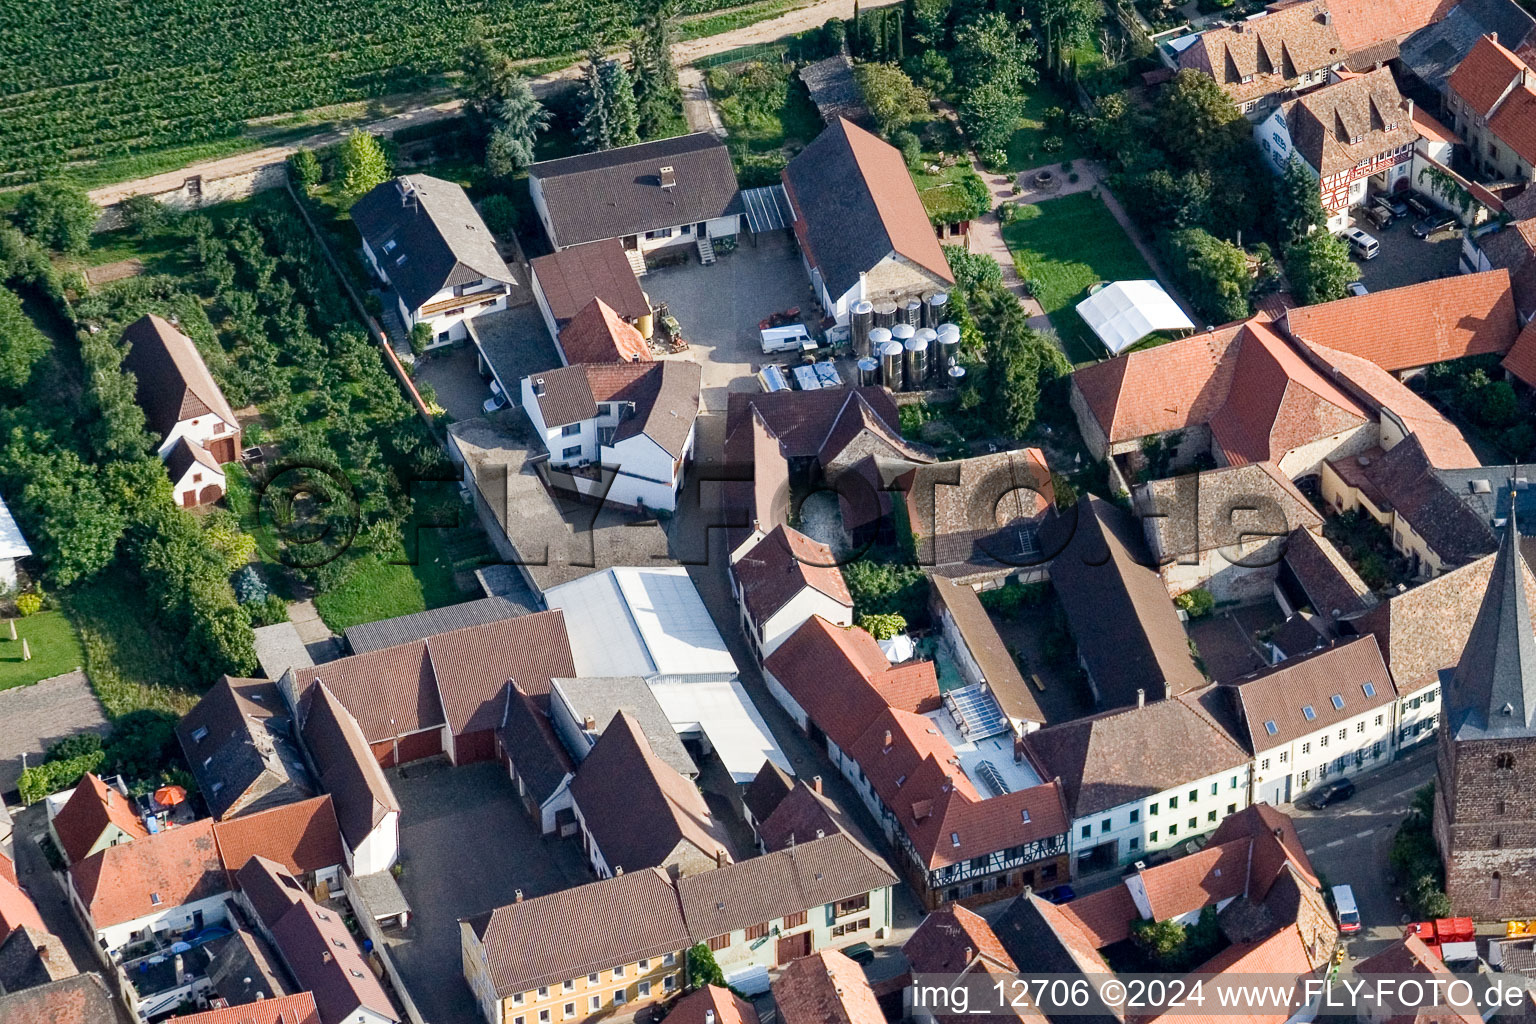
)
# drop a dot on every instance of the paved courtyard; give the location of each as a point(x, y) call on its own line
point(1406, 260)
point(720, 307)
point(467, 847)
point(33, 716)
point(455, 376)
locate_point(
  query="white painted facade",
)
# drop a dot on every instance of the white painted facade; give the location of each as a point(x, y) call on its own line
point(1342, 191)
point(768, 635)
point(379, 849)
point(854, 924)
point(112, 938)
point(1418, 712)
point(1355, 745)
point(193, 481)
point(1161, 820)
point(199, 430)
point(446, 311)
point(553, 804)
point(634, 471)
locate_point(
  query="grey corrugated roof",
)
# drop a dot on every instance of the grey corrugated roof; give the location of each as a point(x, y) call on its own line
point(404, 629)
point(440, 240)
point(618, 192)
point(602, 697)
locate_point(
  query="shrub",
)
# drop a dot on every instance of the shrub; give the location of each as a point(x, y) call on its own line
point(51, 776)
point(269, 611)
point(373, 304)
point(421, 337)
point(499, 213)
point(1052, 143)
point(882, 627)
point(250, 588)
point(888, 587)
point(911, 147)
point(78, 745)
point(1010, 601)
point(1197, 603)
point(144, 214)
point(305, 167)
point(29, 604)
point(702, 967)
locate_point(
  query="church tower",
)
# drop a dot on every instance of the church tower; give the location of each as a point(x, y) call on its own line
point(1485, 790)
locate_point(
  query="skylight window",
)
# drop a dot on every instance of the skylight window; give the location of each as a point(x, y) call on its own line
point(1338, 702)
point(154, 899)
point(1025, 812)
point(1271, 728)
point(1369, 689)
point(1308, 712)
point(954, 838)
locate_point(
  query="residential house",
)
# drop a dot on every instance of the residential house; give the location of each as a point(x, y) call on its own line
point(783, 580)
point(618, 432)
point(825, 988)
point(568, 281)
point(302, 837)
point(580, 708)
point(1428, 58)
point(1371, 32)
point(656, 195)
point(712, 1004)
point(755, 493)
point(298, 1008)
point(195, 429)
point(608, 949)
point(1354, 135)
point(863, 231)
point(635, 811)
point(804, 814)
point(92, 817)
point(1327, 714)
point(366, 809)
point(315, 946)
point(79, 999)
point(978, 519)
point(444, 694)
point(820, 432)
point(1223, 530)
point(423, 237)
point(1130, 641)
point(31, 956)
point(954, 943)
point(17, 911)
point(239, 742)
point(1491, 97)
point(1407, 958)
point(1261, 60)
point(1234, 394)
point(1509, 243)
point(1142, 779)
point(598, 334)
point(536, 762)
point(13, 547)
point(166, 884)
point(763, 796)
point(981, 654)
point(826, 893)
point(1415, 325)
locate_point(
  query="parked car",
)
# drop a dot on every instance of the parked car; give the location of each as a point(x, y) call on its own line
point(1356, 288)
point(1348, 910)
point(1433, 225)
point(1393, 204)
point(495, 403)
point(861, 953)
point(1380, 216)
point(1327, 794)
point(1361, 245)
point(1420, 206)
point(1060, 894)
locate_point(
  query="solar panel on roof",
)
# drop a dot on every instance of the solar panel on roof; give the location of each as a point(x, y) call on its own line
point(977, 711)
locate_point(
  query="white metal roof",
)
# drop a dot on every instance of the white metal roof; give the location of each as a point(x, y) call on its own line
point(645, 622)
point(12, 543)
point(727, 716)
point(1124, 312)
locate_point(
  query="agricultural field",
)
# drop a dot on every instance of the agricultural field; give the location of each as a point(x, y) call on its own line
point(82, 81)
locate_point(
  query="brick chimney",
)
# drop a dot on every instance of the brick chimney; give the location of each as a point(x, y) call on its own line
point(721, 857)
point(517, 896)
point(816, 781)
point(589, 724)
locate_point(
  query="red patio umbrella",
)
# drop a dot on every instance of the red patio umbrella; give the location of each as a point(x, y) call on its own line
point(170, 796)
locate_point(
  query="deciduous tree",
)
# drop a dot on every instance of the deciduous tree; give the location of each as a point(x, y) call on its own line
point(989, 113)
point(892, 99)
point(990, 49)
point(1214, 273)
point(58, 214)
point(1319, 268)
point(363, 165)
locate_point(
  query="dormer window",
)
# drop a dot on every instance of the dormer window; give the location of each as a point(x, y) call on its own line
point(389, 246)
point(154, 899)
point(199, 734)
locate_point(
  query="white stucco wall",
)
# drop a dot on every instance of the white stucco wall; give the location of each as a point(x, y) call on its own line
point(1173, 810)
point(796, 612)
point(171, 919)
point(379, 849)
point(1285, 771)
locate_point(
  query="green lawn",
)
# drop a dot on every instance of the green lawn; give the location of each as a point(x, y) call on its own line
point(1026, 149)
point(1064, 246)
point(54, 646)
point(381, 588)
point(768, 115)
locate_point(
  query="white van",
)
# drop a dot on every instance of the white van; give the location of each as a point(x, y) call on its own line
point(1344, 905)
point(1361, 245)
point(794, 338)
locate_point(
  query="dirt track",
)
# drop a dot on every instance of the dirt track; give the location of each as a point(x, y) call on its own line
point(683, 54)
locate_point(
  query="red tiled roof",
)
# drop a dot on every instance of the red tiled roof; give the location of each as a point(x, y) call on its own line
point(825, 988)
point(781, 565)
point(301, 836)
point(1485, 74)
point(1416, 325)
point(1282, 954)
point(1170, 387)
point(1260, 821)
point(86, 814)
point(170, 869)
point(599, 335)
point(295, 1009)
point(842, 680)
point(1263, 54)
point(17, 910)
point(1216, 873)
point(941, 943)
point(726, 1006)
point(1432, 129)
point(573, 277)
point(1283, 402)
point(1364, 23)
point(1105, 916)
point(8, 869)
point(1521, 360)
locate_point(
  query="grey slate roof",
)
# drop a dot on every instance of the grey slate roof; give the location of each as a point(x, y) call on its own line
point(404, 629)
point(618, 192)
point(529, 739)
point(245, 968)
point(1492, 690)
point(246, 758)
point(1488, 490)
point(434, 227)
point(602, 697)
point(1434, 51)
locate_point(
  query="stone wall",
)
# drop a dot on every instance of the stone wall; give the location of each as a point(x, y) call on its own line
point(1485, 824)
point(195, 191)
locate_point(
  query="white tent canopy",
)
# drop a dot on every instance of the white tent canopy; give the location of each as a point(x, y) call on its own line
point(1124, 312)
